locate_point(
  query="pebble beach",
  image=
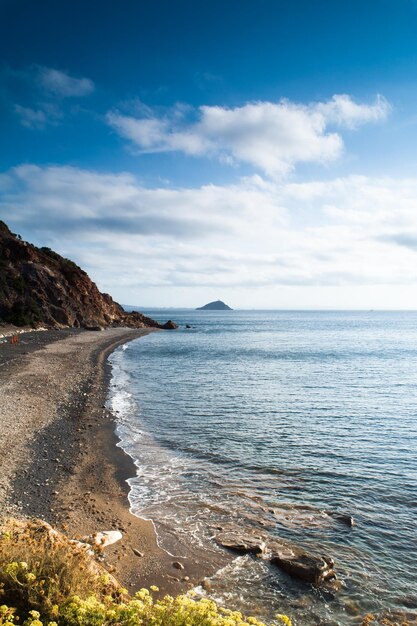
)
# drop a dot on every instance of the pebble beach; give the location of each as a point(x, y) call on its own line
point(59, 459)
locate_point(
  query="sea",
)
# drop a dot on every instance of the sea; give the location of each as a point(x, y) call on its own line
point(285, 421)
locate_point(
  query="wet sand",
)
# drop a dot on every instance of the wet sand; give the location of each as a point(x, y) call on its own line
point(59, 459)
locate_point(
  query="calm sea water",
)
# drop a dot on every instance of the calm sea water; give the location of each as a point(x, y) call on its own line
point(283, 418)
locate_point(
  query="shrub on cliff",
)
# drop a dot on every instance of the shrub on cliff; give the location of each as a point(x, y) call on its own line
point(48, 580)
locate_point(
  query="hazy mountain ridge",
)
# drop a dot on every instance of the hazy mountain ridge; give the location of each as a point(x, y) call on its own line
point(38, 287)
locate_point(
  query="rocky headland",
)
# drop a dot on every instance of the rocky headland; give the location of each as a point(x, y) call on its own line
point(39, 287)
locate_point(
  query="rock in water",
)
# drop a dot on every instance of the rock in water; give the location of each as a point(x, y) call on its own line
point(292, 559)
point(307, 567)
point(241, 542)
point(169, 325)
point(347, 520)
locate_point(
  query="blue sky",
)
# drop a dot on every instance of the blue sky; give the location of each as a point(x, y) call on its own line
point(262, 152)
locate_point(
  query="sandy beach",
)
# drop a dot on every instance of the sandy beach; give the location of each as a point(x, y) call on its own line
point(59, 459)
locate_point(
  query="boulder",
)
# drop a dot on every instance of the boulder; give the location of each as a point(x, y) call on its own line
point(169, 325)
point(295, 561)
point(307, 567)
point(241, 542)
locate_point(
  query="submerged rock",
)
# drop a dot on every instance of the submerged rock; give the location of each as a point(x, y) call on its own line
point(347, 520)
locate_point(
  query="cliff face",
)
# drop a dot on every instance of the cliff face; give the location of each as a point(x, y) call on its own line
point(38, 287)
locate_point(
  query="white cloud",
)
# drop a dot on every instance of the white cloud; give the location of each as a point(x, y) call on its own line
point(339, 234)
point(63, 85)
point(343, 111)
point(31, 118)
point(272, 137)
point(42, 93)
point(38, 118)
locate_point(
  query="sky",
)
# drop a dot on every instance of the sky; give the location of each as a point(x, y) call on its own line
point(262, 152)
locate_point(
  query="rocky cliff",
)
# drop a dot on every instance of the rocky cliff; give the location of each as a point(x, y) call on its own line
point(38, 287)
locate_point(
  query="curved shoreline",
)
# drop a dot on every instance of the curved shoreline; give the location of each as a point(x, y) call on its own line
point(59, 453)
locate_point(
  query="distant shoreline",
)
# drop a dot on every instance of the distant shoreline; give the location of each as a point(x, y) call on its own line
point(59, 455)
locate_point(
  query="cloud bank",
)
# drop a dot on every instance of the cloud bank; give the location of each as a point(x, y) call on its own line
point(254, 234)
point(63, 85)
point(271, 137)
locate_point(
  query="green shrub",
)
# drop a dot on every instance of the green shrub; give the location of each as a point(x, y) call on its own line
point(47, 580)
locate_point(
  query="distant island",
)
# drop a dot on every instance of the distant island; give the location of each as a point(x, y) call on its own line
point(217, 305)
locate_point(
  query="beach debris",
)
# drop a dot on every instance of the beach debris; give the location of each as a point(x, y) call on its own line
point(177, 565)
point(241, 542)
point(137, 552)
point(102, 539)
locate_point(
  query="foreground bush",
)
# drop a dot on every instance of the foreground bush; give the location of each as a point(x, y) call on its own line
point(40, 568)
point(140, 610)
point(47, 580)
